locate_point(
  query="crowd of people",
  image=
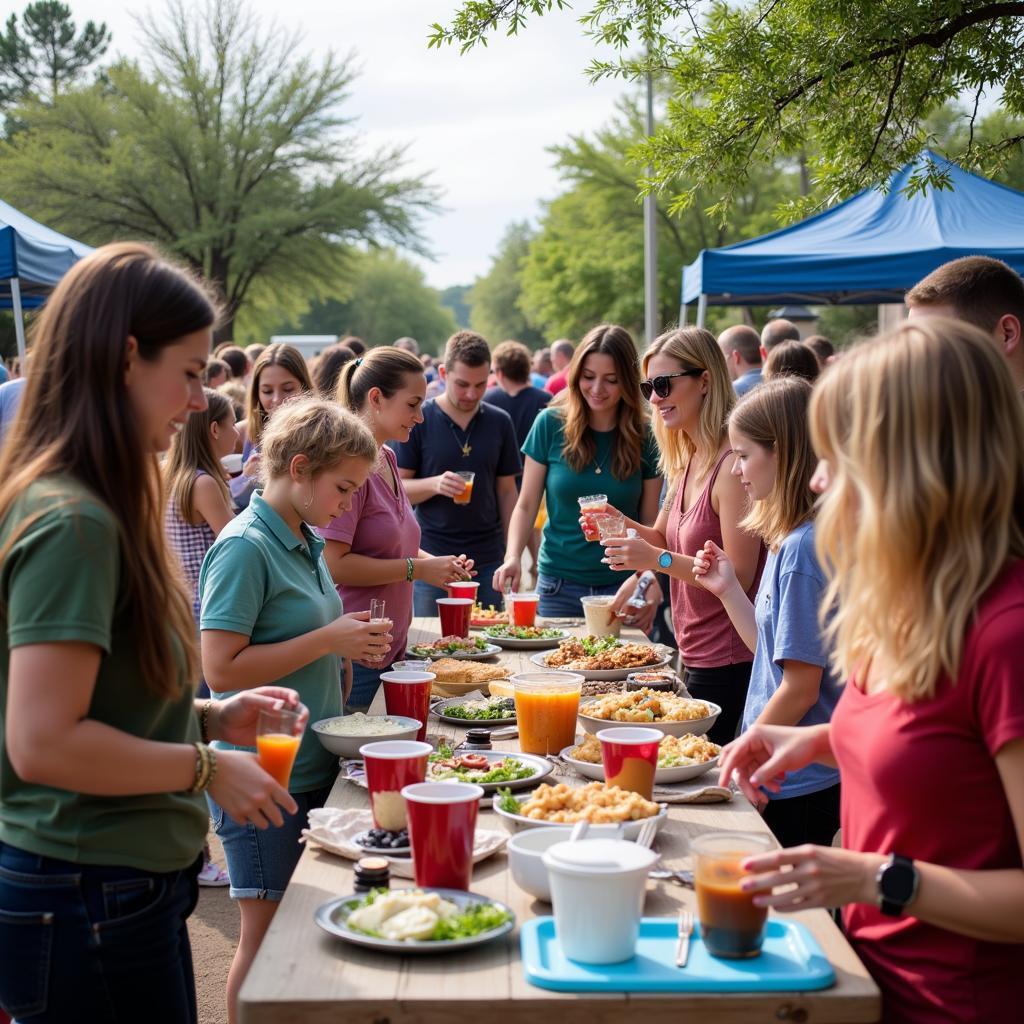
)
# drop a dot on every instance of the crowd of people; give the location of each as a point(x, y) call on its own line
point(186, 540)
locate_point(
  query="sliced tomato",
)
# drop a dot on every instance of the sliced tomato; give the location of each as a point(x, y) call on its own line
point(474, 762)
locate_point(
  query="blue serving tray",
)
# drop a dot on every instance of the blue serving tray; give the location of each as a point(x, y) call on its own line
point(791, 960)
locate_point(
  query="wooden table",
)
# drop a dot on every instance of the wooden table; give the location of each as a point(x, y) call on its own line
point(301, 974)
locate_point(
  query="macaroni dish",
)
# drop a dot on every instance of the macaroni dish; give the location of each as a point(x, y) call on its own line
point(673, 751)
point(646, 706)
point(597, 802)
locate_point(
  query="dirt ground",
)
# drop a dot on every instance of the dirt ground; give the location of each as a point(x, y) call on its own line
point(213, 929)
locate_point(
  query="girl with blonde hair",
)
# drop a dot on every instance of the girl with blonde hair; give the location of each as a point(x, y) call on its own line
point(270, 613)
point(105, 749)
point(920, 434)
point(592, 438)
point(790, 682)
point(687, 383)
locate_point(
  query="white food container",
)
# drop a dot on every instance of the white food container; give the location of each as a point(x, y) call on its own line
point(597, 889)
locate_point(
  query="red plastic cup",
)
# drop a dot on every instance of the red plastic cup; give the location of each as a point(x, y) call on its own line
point(524, 609)
point(630, 758)
point(464, 589)
point(442, 821)
point(390, 767)
point(407, 694)
point(455, 613)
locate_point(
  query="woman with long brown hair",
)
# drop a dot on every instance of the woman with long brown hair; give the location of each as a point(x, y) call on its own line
point(687, 383)
point(105, 759)
point(920, 530)
point(592, 438)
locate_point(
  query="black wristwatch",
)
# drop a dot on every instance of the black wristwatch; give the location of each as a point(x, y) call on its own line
point(897, 881)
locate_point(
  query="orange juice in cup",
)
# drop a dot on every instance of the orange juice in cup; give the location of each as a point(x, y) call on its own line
point(547, 704)
point(467, 491)
point(277, 744)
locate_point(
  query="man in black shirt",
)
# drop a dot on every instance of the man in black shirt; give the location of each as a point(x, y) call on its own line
point(514, 393)
point(460, 432)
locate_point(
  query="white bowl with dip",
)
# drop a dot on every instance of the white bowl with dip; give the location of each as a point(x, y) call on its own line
point(345, 734)
point(597, 891)
point(596, 611)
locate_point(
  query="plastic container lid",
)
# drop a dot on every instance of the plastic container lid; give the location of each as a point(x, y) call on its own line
point(599, 857)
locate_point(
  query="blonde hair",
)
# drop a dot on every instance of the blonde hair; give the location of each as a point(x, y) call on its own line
point(695, 348)
point(289, 359)
point(924, 435)
point(774, 416)
point(318, 429)
point(580, 447)
point(192, 449)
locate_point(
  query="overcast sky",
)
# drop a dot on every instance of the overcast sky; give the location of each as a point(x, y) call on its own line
point(479, 123)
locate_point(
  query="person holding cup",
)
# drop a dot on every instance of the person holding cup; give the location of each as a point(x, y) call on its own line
point(373, 548)
point(920, 530)
point(593, 437)
point(270, 613)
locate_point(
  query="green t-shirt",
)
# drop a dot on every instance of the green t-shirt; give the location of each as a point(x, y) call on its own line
point(564, 552)
point(60, 583)
point(260, 580)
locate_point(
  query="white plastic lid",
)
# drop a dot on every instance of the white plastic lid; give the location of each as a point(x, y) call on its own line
point(599, 857)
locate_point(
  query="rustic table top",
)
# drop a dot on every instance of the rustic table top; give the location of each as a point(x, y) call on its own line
point(301, 975)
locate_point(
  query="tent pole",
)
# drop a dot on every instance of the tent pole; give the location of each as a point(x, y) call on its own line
point(19, 318)
point(702, 309)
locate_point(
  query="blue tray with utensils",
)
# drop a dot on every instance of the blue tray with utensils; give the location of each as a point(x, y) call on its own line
point(790, 961)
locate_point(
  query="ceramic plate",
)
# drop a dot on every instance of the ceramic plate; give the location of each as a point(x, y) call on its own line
point(512, 643)
point(440, 708)
point(610, 674)
point(333, 915)
point(541, 765)
point(662, 776)
point(488, 652)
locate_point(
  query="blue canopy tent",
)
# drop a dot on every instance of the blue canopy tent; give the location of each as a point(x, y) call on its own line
point(869, 249)
point(33, 258)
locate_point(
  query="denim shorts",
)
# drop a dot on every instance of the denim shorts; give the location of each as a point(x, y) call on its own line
point(96, 943)
point(560, 598)
point(261, 860)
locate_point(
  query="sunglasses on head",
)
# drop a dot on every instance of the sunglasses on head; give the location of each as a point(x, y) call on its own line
point(662, 385)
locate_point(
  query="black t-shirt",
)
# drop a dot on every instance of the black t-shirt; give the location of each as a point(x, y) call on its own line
point(522, 407)
point(436, 446)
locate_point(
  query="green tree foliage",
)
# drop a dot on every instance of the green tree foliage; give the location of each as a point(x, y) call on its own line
point(456, 299)
point(494, 299)
point(855, 78)
point(229, 150)
point(586, 264)
point(388, 298)
point(46, 53)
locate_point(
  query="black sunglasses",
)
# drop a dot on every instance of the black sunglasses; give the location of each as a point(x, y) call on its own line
point(661, 386)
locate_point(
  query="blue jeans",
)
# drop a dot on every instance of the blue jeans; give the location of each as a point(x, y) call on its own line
point(560, 598)
point(261, 860)
point(94, 943)
point(424, 595)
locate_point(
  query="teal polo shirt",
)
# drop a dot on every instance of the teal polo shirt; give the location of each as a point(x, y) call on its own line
point(260, 580)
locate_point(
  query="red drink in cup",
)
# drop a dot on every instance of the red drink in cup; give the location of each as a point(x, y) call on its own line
point(524, 609)
point(390, 767)
point(464, 589)
point(590, 506)
point(442, 821)
point(630, 758)
point(455, 613)
point(407, 694)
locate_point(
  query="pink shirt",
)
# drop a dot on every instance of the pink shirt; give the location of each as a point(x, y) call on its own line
point(921, 780)
point(704, 632)
point(380, 524)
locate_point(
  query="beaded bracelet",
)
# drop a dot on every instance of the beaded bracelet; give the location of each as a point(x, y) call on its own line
point(204, 721)
point(206, 768)
point(409, 566)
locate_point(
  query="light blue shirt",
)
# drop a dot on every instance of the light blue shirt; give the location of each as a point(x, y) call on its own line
point(747, 382)
point(786, 611)
point(10, 399)
point(259, 579)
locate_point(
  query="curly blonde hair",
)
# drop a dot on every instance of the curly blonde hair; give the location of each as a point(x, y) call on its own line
point(924, 436)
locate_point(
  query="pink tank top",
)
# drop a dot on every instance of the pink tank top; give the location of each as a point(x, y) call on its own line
point(704, 632)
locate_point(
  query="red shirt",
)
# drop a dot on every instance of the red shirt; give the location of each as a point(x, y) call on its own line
point(557, 381)
point(921, 780)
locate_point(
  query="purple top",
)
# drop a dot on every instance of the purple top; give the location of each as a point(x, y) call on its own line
point(190, 543)
point(380, 524)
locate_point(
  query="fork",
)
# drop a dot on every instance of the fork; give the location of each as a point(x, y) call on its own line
point(648, 831)
point(685, 931)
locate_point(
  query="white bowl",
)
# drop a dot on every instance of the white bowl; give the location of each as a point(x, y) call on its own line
point(662, 776)
point(518, 822)
point(348, 746)
point(695, 727)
